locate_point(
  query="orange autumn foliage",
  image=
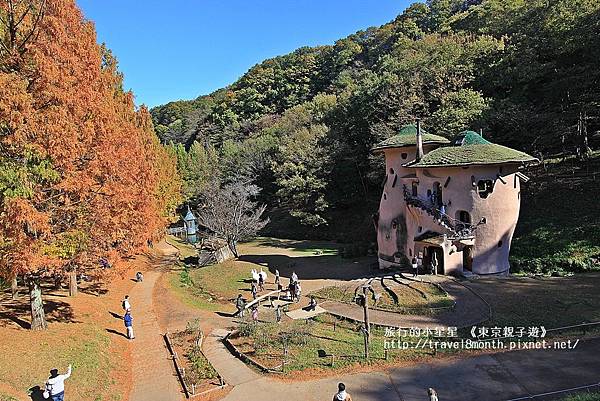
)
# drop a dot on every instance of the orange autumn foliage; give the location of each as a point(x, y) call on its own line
point(82, 174)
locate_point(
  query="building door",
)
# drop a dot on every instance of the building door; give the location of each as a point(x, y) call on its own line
point(468, 258)
point(438, 256)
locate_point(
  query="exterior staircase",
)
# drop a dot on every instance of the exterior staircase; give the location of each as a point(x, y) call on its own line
point(458, 229)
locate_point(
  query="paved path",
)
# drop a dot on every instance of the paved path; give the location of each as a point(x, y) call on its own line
point(496, 377)
point(231, 369)
point(470, 309)
point(153, 373)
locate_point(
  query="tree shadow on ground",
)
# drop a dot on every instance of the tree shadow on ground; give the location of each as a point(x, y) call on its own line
point(19, 312)
point(96, 288)
point(314, 267)
point(163, 263)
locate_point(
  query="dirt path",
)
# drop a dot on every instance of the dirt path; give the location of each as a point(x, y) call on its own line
point(153, 373)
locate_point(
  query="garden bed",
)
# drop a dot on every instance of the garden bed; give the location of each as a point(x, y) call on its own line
point(199, 373)
point(321, 343)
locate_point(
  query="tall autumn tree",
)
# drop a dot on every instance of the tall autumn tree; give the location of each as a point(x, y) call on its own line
point(82, 175)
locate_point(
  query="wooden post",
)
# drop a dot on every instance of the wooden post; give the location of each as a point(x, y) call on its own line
point(14, 287)
point(386, 354)
point(332, 360)
point(73, 282)
point(366, 319)
point(193, 388)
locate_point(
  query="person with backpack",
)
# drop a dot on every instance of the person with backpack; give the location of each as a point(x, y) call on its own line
point(240, 304)
point(415, 267)
point(342, 395)
point(55, 385)
point(128, 320)
point(125, 304)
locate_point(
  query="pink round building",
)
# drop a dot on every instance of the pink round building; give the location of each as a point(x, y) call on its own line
point(455, 204)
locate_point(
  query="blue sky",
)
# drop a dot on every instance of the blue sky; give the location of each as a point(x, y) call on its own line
point(180, 49)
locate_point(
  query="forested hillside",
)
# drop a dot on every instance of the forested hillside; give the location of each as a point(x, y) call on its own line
point(301, 126)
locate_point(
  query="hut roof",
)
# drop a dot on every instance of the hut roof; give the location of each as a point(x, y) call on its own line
point(407, 136)
point(469, 148)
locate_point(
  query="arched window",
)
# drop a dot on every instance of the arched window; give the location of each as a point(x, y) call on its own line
point(415, 189)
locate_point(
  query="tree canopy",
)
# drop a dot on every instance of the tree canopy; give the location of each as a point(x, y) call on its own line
point(82, 174)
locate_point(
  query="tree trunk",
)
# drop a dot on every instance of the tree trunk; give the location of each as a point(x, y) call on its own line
point(57, 281)
point(38, 318)
point(14, 287)
point(73, 282)
point(233, 247)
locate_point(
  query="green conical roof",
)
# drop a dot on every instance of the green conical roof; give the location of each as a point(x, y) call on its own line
point(470, 148)
point(407, 136)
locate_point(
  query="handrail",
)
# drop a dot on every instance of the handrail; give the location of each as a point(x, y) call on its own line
point(262, 297)
point(458, 228)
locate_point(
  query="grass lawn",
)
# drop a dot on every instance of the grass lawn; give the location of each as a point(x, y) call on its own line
point(311, 343)
point(214, 287)
point(185, 249)
point(28, 357)
point(409, 299)
point(548, 301)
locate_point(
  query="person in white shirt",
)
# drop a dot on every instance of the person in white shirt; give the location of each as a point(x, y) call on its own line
point(125, 304)
point(55, 385)
point(294, 277)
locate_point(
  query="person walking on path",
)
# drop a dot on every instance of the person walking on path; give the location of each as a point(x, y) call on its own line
point(55, 385)
point(125, 304)
point(415, 267)
point(278, 313)
point(254, 290)
point(297, 291)
point(139, 277)
point(294, 277)
point(128, 320)
point(240, 305)
point(277, 278)
point(261, 282)
point(342, 395)
point(312, 305)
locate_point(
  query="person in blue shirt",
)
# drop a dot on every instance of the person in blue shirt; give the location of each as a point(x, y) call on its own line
point(128, 320)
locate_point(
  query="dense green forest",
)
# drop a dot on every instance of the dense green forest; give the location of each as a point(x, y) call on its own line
point(301, 126)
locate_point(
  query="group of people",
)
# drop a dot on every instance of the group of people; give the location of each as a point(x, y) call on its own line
point(417, 262)
point(292, 292)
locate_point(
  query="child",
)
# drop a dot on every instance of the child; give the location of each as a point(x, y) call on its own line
point(255, 314)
